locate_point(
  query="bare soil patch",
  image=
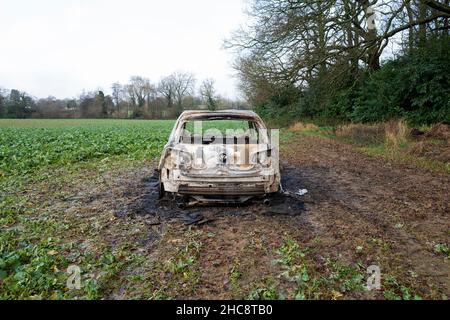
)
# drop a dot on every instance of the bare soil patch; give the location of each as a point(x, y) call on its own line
point(359, 211)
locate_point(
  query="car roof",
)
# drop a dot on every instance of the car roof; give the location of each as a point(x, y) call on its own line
point(225, 114)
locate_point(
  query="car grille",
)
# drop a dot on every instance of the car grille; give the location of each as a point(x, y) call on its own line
point(222, 189)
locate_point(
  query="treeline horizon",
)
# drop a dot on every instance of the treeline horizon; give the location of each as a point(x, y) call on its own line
point(137, 99)
point(325, 60)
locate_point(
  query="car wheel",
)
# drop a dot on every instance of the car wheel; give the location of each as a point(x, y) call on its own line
point(161, 191)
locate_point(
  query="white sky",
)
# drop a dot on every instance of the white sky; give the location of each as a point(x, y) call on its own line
point(60, 47)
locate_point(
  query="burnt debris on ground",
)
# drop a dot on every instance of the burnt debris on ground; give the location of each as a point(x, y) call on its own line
point(141, 199)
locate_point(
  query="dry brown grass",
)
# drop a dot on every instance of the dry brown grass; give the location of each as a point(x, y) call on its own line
point(300, 126)
point(440, 131)
point(426, 149)
point(394, 139)
point(393, 133)
point(396, 133)
point(431, 150)
point(362, 134)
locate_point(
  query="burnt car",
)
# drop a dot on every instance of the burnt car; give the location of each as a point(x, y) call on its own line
point(219, 156)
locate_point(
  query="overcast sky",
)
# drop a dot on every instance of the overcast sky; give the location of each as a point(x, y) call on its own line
point(59, 48)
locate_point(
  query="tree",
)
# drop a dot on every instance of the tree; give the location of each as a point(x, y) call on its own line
point(117, 88)
point(291, 41)
point(207, 92)
point(320, 48)
point(19, 104)
point(175, 87)
point(167, 88)
point(95, 105)
point(139, 91)
point(87, 105)
point(102, 104)
point(2, 104)
point(71, 106)
point(51, 107)
point(184, 86)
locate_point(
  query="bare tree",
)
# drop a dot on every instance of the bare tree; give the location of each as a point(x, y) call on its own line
point(139, 91)
point(2, 103)
point(292, 41)
point(208, 94)
point(117, 91)
point(184, 86)
point(175, 87)
point(167, 88)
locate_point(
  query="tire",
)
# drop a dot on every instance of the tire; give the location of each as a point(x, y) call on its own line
point(161, 191)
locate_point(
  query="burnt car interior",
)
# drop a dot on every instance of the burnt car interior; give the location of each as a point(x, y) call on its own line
point(223, 131)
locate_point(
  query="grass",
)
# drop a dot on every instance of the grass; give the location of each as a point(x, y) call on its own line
point(401, 157)
point(310, 129)
point(390, 140)
point(393, 290)
point(38, 244)
point(442, 248)
point(235, 275)
point(35, 247)
point(267, 291)
point(44, 161)
point(327, 278)
point(339, 279)
point(43, 231)
point(175, 272)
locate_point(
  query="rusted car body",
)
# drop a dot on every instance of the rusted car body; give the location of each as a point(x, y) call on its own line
point(219, 164)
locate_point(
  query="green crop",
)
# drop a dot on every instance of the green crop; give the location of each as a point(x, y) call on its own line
point(29, 145)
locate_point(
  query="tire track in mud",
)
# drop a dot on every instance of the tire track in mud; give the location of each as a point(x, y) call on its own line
point(353, 200)
point(369, 197)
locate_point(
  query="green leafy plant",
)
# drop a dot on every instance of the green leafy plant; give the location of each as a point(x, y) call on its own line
point(442, 248)
point(393, 290)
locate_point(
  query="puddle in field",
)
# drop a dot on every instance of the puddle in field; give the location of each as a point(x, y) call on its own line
point(142, 199)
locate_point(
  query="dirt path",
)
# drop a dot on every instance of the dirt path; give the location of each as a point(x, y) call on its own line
point(361, 200)
point(359, 211)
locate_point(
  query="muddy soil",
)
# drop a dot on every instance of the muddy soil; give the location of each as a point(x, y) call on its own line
point(141, 199)
point(358, 209)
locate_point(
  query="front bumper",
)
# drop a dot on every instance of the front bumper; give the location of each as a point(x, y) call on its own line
point(229, 185)
point(229, 189)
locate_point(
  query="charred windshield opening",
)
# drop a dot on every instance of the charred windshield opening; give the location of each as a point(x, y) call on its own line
point(221, 131)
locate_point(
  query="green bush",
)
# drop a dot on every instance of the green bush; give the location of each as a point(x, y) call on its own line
point(414, 86)
point(279, 109)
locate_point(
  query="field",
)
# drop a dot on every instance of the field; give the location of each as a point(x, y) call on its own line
point(80, 193)
point(27, 145)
